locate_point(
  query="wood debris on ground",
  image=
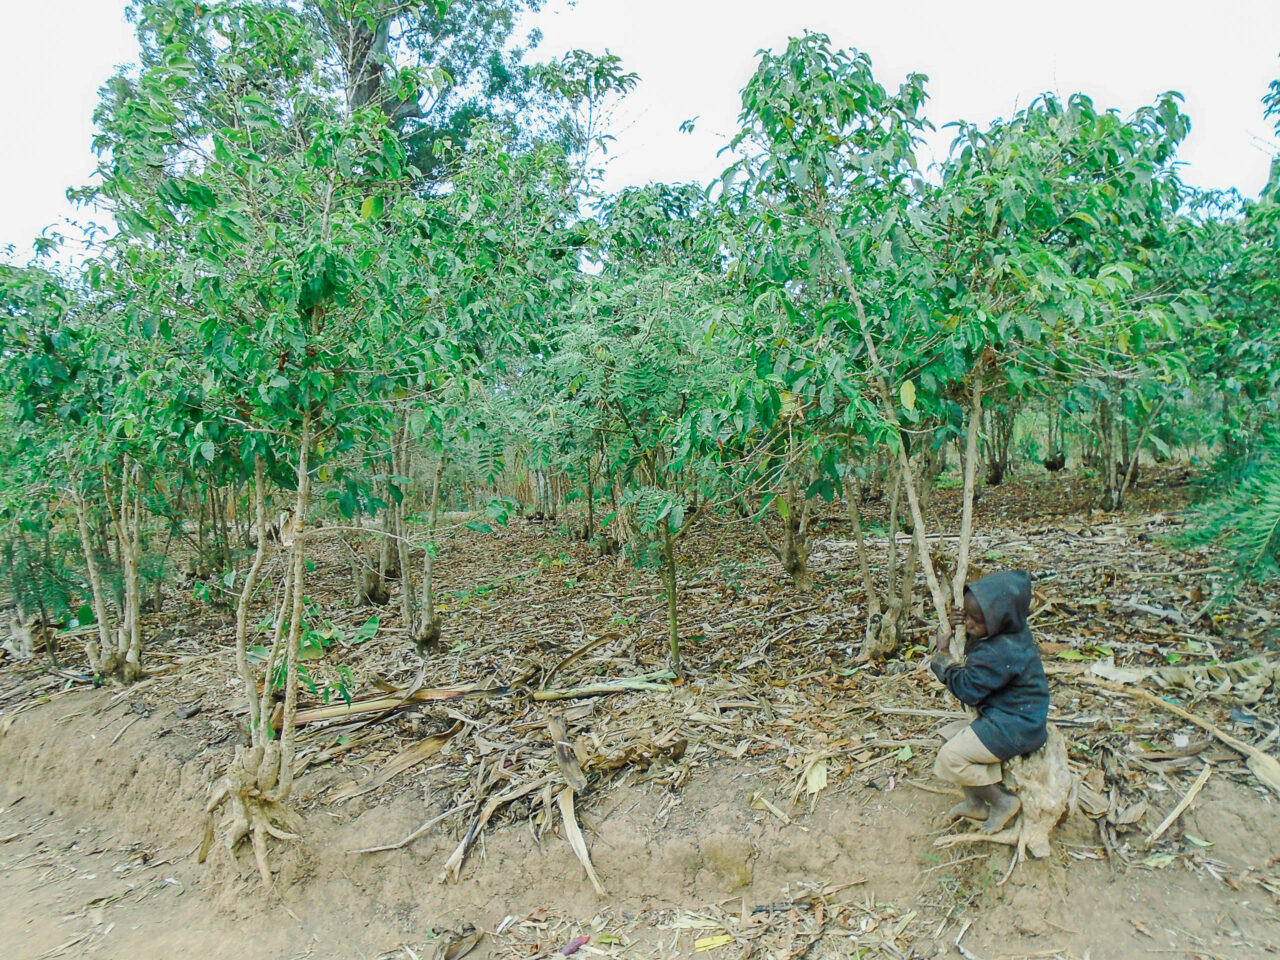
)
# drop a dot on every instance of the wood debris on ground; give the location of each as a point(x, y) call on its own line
point(772, 679)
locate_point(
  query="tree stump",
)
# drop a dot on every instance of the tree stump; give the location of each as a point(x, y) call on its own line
point(1045, 785)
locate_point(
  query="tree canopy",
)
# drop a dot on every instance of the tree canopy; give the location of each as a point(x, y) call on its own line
point(363, 268)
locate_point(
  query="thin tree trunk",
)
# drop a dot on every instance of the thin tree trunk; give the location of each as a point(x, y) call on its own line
point(429, 629)
point(673, 621)
point(200, 535)
point(1132, 470)
point(288, 728)
point(1110, 451)
point(225, 502)
point(266, 729)
point(246, 598)
point(215, 518)
point(100, 648)
point(913, 554)
point(104, 541)
point(853, 495)
point(127, 519)
point(895, 503)
point(388, 556)
point(407, 597)
point(591, 504)
point(133, 655)
point(795, 549)
point(966, 515)
point(891, 414)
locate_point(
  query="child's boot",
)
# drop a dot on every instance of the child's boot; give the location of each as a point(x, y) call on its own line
point(973, 807)
point(1004, 806)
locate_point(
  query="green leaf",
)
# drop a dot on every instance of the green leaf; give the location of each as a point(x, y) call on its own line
point(372, 207)
point(347, 504)
point(367, 631)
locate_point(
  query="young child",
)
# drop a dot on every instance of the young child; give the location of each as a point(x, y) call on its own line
point(1003, 678)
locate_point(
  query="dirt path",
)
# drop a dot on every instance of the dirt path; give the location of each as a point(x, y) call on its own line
point(678, 867)
point(72, 890)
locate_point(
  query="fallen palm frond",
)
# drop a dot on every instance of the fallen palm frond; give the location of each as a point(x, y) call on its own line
point(1264, 767)
point(1182, 805)
point(573, 833)
point(401, 762)
point(566, 759)
point(341, 711)
point(453, 866)
point(645, 682)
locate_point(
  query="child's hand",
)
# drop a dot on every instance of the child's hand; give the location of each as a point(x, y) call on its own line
point(955, 616)
point(942, 639)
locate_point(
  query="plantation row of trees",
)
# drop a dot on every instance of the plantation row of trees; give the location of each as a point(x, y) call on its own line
point(362, 272)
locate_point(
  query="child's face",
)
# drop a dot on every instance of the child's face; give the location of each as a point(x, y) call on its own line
point(975, 625)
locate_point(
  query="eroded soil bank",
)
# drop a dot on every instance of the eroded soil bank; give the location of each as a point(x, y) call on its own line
point(730, 841)
point(98, 861)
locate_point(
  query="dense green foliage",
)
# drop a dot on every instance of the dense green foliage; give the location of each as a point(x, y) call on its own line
point(363, 273)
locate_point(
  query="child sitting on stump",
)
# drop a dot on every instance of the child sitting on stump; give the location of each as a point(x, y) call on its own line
point(1003, 679)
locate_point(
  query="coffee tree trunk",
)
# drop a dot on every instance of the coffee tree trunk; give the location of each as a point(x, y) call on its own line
point(792, 548)
point(1109, 437)
point(288, 729)
point(1000, 422)
point(669, 576)
point(853, 497)
point(101, 650)
point(427, 630)
point(793, 552)
point(402, 467)
point(127, 519)
point(1131, 463)
point(259, 779)
point(891, 416)
point(966, 515)
point(926, 466)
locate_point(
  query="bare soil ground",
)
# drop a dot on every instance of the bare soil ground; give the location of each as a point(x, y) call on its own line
point(707, 821)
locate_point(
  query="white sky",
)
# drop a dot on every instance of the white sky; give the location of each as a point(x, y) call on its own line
point(984, 59)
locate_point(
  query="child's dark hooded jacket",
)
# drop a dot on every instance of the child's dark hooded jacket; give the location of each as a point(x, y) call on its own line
point(1002, 675)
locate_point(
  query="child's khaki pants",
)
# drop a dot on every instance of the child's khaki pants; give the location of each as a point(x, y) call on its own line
point(964, 759)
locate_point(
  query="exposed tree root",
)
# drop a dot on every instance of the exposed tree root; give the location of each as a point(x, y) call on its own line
point(115, 668)
point(883, 633)
point(428, 633)
point(255, 812)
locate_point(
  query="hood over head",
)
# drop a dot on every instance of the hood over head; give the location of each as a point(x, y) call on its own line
point(1005, 600)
